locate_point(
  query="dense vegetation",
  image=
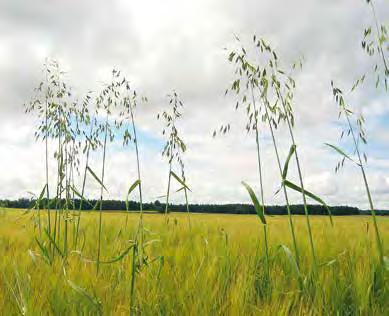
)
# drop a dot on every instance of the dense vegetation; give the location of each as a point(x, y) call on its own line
point(214, 269)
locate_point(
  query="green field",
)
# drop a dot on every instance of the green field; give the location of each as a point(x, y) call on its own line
point(216, 268)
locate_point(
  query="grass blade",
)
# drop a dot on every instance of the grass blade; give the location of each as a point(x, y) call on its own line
point(340, 151)
point(258, 207)
point(286, 166)
point(44, 251)
point(132, 187)
point(295, 187)
point(179, 180)
point(120, 257)
point(96, 178)
point(54, 244)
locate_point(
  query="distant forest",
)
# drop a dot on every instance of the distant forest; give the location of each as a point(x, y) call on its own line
point(157, 206)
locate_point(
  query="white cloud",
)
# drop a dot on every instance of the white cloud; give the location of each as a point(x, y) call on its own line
point(179, 45)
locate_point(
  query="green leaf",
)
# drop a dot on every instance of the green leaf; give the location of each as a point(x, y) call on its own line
point(44, 251)
point(120, 257)
point(96, 178)
point(38, 201)
point(180, 189)
point(54, 243)
point(132, 187)
point(42, 193)
point(179, 180)
point(340, 151)
point(286, 166)
point(260, 209)
point(309, 194)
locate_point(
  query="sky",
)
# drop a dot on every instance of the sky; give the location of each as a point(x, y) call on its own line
point(178, 44)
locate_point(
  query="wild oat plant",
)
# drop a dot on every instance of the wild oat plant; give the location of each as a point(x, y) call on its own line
point(174, 148)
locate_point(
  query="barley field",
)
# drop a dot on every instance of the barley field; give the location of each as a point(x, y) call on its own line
point(216, 267)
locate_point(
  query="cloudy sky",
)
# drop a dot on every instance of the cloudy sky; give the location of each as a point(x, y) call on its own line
point(176, 44)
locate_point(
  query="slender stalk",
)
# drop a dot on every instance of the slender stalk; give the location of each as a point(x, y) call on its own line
point(267, 255)
point(39, 218)
point(133, 276)
point(101, 196)
point(138, 169)
point(67, 194)
point(301, 182)
point(372, 210)
point(187, 208)
point(83, 188)
point(59, 179)
point(256, 113)
point(140, 224)
point(291, 225)
point(168, 190)
point(138, 248)
point(71, 183)
point(186, 194)
point(47, 161)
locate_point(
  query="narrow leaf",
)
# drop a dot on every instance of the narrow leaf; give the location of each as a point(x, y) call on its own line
point(340, 151)
point(120, 257)
point(132, 187)
point(258, 207)
point(96, 177)
point(44, 251)
point(286, 166)
point(179, 180)
point(54, 243)
point(309, 194)
point(181, 189)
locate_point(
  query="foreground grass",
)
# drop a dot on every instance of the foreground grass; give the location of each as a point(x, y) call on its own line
point(216, 268)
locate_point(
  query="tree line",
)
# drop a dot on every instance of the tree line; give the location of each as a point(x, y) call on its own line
point(157, 206)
